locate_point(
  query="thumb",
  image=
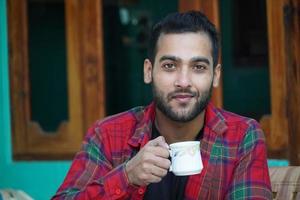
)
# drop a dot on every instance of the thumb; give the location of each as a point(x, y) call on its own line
point(159, 141)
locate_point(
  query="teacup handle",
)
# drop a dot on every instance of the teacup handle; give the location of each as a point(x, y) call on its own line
point(171, 155)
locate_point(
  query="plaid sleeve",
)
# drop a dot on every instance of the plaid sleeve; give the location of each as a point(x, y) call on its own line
point(92, 176)
point(251, 176)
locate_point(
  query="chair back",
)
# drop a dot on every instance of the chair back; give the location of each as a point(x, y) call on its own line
point(285, 182)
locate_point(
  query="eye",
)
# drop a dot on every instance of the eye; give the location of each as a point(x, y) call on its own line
point(169, 66)
point(199, 67)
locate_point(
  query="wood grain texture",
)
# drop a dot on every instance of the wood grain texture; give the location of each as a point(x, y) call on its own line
point(277, 138)
point(18, 64)
point(283, 126)
point(85, 81)
point(91, 43)
point(292, 38)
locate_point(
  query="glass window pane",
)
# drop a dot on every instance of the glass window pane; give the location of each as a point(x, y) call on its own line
point(47, 63)
point(246, 85)
point(250, 33)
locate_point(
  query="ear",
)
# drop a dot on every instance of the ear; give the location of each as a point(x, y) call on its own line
point(147, 71)
point(217, 74)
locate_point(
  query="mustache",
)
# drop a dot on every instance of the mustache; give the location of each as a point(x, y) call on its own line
point(180, 91)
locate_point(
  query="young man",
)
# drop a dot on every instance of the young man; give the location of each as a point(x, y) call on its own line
point(126, 156)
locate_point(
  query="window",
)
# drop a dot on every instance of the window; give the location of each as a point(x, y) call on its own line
point(56, 75)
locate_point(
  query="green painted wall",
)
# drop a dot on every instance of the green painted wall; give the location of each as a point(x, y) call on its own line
point(38, 179)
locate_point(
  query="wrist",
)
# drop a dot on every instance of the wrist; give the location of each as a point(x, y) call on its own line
point(127, 170)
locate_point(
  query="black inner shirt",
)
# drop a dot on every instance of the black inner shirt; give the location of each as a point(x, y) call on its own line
point(170, 187)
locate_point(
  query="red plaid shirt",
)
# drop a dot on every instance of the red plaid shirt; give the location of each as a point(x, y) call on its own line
point(232, 149)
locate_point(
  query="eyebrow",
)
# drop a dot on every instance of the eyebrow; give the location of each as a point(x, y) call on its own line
point(200, 59)
point(168, 57)
point(194, 59)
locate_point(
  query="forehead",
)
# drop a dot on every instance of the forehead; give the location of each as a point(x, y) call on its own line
point(184, 45)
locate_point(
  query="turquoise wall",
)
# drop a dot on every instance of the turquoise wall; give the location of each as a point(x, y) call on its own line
point(39, 179)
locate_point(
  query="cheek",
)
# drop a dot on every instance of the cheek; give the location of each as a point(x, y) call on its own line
point(202, 83)
point(163, 82)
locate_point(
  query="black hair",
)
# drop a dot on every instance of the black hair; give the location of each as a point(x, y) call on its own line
point(191, 21)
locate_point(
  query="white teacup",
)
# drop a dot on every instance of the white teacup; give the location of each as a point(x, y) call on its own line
point(185, 158)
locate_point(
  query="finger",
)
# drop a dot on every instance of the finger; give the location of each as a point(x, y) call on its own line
point(159, 141)
point(153, 179)
point(158, 151)
point(162, 163)
point(159, 172)
point(151, 159)
point(146, 176)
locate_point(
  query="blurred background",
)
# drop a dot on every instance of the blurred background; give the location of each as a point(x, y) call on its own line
point(66, 63)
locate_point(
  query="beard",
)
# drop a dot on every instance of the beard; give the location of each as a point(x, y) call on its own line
point(186, 112)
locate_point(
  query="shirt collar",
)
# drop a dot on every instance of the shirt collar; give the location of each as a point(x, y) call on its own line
point(214, 120)
point(145, 119)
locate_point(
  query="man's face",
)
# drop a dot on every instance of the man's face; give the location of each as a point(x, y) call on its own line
point(182, 75)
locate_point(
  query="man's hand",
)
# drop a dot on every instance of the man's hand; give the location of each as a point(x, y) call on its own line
point(150, 164)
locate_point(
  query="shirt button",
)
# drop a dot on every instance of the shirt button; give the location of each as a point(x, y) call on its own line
point(141, 191)
point(118, 191)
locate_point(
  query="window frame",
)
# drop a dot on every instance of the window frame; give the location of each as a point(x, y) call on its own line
point(85, 75)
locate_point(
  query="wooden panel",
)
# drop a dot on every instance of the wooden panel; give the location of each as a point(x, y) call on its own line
point(277, 138)
point(85, 81)
point(284, 123)
point(292, 31)
point(92, 61)
point(84, 19)
point(211, 9)
point(67, 138)
point(17, 28)
point(186, 5)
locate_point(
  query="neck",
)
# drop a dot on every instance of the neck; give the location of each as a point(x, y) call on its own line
point(178, 131)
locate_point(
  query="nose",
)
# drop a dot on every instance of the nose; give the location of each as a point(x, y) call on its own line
point(183, 79)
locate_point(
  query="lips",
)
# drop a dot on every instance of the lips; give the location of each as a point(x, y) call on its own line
point(183, 97)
